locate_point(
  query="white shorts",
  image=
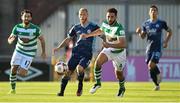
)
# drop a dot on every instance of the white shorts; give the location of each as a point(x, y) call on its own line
point(118, 59)
point(22, 60)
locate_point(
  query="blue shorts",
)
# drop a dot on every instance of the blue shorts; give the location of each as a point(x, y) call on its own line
point(77, 59)
point(153, 56)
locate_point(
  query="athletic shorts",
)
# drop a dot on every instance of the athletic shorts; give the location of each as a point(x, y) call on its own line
point(78, 59)
point(22, 60)
point(153, 56)
point(118, 59)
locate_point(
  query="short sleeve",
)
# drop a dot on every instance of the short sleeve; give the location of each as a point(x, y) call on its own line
point(14, 31)
point(102, 25)
point(38, 31)
point(121, 30)
point(164, 25)
point(72, 32)
point(143, 27)
point(96, 27)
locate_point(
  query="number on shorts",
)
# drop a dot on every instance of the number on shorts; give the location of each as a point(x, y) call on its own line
point(27, 63)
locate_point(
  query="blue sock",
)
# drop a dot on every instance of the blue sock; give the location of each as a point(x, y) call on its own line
point(64, 82)
point(80, 78)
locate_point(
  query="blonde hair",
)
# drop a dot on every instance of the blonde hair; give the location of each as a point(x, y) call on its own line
point(83, 9)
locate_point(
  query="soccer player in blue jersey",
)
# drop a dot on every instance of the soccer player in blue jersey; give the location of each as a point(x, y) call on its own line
point(81, 52)
point(28, 34)
point(152, 29)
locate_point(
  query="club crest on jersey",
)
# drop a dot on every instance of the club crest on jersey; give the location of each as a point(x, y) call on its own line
point(157, 25)
point(88, 31)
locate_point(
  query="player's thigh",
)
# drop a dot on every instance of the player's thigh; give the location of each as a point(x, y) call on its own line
point(24, 65)
point(14, 69)
point(101, 58)
point(119, 60)
point(84, 63)
point(153, 59)
point(73, 62)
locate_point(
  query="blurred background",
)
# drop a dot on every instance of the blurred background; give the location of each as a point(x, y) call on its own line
point(55, 17)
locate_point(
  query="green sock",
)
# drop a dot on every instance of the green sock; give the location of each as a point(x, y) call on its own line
point(13, 81)
point(121, 83)
point(97, 74)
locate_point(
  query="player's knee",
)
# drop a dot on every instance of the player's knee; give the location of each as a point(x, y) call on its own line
point(68, 73)
point(151, 65)
point(119, 75)
point(97, 65)
point(22, 72)
point(66, 77)
point(14, 69)
point(80, 69)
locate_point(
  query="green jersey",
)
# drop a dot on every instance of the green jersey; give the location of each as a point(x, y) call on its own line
point(113, 32)
point(32, 33)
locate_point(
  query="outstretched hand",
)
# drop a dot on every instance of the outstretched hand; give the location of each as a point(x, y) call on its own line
point(165, 44)
point(11, 39)
point(54, 50)
point(138, 30)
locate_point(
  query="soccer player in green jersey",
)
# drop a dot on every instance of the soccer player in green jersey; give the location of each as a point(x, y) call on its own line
point(114, 49)
point(27, 35)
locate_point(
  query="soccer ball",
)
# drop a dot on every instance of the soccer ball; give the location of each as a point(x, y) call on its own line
point(61, 67)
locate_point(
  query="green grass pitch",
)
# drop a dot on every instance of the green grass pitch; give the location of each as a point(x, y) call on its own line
point(46, 92)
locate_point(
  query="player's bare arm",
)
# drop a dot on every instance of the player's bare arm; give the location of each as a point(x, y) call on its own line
point(11, 38)
point(140, 33)
point(62, 44)
point(95, 33)
point(120, 44)
point(42, 41)
point(168, 37)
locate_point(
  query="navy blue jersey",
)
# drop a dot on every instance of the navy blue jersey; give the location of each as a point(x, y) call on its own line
point(154, 34)
point(83, 46)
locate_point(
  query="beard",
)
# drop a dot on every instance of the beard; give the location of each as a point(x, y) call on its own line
point(26, 22)
point(111, 22)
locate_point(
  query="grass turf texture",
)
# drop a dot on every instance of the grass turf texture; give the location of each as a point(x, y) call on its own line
point(46, 92)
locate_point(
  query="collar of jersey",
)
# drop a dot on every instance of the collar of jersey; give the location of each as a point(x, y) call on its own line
point(84, 26)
